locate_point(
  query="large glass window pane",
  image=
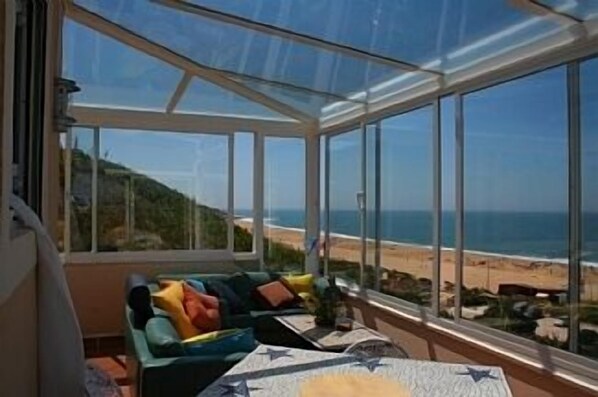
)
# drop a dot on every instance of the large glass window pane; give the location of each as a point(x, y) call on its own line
point(406, 206)
point(435, 32)
point(162, 191)
point(588, 311)
point(304, 101)
point(345, 194)
point(238, 50)
point(515, 270)
point(284, 204)
point(114, 75)
point(202, 97)
point(82, 149)
point(243, 166)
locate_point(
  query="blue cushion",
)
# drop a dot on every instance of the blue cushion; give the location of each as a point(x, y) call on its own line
point(221, 342)
point(224, 292)
point(197, 285)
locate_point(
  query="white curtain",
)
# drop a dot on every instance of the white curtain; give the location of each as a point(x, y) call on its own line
point(61, 361)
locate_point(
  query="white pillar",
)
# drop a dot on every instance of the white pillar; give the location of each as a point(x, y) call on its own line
point(258, 198)
point(312, 202)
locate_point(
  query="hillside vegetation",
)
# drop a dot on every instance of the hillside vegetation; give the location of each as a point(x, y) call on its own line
point(137, 212)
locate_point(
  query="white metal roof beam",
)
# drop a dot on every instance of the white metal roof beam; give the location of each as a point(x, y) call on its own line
point(293, 36)
point(191, 123)
point(552, 50)
point(155, 50)
point(541, 10)
point(179, 92)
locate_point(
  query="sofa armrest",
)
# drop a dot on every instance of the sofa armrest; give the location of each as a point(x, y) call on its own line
point(139, 299)
point(183, 376)
point(151, 376)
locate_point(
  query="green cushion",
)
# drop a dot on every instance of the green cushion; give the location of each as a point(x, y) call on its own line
point(245, 283)
point(227, 341)
point(261, 278)
point(162, 338)
point(320, 285)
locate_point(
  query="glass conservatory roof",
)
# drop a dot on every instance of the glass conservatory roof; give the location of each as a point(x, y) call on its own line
point(295, 60)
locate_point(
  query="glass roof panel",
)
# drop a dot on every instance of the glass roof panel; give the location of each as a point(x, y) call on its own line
point(439, 34)
point(243, 51)
point(582, 9)
point(202, 97)
point(305, 102)
point(137, 82)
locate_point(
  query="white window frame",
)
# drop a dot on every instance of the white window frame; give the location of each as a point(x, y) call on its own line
point(184, 256)
point(7, 124)
point(163, 255)
point(567, 364)
point(311, 226)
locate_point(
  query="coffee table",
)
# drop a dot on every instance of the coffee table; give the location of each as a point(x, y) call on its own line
point(279, 371)
point(327, 338)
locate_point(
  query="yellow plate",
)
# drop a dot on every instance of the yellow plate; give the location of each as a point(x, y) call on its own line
point(352, 385)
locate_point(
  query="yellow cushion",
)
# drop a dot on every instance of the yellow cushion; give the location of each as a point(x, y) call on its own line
point(170, 299)
point(311, 302)
point(209, 336)
point(304, 283)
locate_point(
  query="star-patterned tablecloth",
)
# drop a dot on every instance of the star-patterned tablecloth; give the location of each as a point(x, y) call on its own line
point(279, 371)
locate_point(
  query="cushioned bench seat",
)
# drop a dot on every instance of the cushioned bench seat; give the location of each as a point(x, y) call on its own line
point(156, 362)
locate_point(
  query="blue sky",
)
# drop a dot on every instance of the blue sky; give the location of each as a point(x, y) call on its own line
point(515, 156)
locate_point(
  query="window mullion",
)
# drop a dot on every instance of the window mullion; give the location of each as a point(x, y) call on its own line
point(94, 189)
point(459, 202)
point(67, 191)
point(231, 193)
point(574, 202)
point(437, 206)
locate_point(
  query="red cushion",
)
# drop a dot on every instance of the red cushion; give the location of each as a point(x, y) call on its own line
point(202, 310)
point(276, 295)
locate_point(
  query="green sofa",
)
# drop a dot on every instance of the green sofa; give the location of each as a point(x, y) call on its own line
point(156, 363)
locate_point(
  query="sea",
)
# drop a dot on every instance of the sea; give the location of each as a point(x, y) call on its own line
point(542, 235)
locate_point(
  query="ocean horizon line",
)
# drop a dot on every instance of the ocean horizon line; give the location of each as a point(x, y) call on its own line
point(555, 260)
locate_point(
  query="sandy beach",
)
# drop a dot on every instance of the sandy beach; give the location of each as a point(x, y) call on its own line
point(481, 270)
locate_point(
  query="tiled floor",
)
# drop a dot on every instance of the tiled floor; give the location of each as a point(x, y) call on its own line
point(115, 366)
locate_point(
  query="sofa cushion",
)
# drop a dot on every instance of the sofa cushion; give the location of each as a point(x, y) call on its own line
point(170, 299)
point(202, 309)
point(310, 302)
point(223, 291)
point(139, 299)
point(162, 339)
point(275, 295)
point(221, 342)
point(301, 283)
point(197, 285)
point(245, 283)
point(260, 278)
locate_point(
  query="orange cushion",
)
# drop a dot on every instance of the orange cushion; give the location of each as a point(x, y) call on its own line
point(276, 294)
point(203, 310)
point(170, 299)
